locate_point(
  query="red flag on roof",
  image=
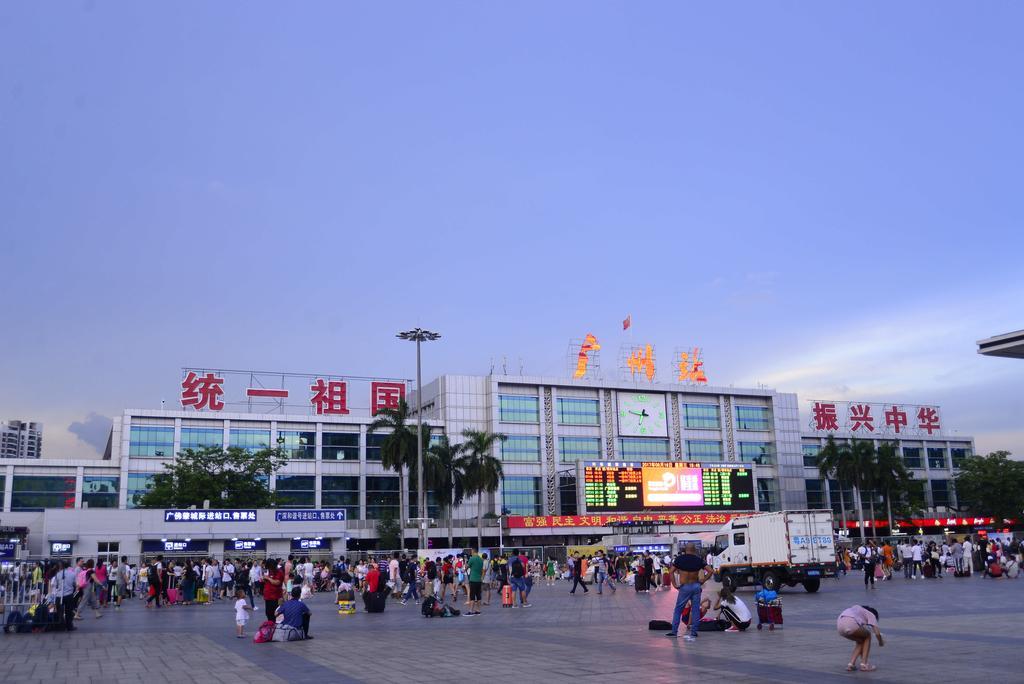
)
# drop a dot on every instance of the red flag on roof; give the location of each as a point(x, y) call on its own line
point(626, 323)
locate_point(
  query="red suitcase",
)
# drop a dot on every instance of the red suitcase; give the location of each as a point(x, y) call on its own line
point(506, 596)
point(770, 613)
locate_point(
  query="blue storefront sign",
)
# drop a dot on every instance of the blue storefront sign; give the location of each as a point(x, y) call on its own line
point(245, 545)
point(306, 544)
point(175, 546)
point(8, 549)
point(220, 515)
point(310, 515)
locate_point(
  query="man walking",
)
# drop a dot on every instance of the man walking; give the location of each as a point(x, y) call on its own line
point(66, 595)
point(688, 576)
point(968, 549)
point(577, 575)
point(907, 556)
point(476, 578)
point(601, 573)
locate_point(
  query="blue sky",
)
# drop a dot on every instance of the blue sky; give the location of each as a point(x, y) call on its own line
point(823, 196)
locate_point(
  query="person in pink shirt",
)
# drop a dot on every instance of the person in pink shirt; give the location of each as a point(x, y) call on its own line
point(856, 623)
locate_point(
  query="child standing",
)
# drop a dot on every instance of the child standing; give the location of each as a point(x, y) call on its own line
point(242, 610)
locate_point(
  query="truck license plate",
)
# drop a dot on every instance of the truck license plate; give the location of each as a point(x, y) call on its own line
point(814, 572)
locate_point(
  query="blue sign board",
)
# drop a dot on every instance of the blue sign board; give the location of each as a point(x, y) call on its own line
point(310, 515)
point(206, 515)
point(175, 546)
point(621, 549)
point(8, 549)
point(60, 548)
point(305, 544)
point(245, 545)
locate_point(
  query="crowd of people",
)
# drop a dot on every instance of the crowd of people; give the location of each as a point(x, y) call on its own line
point(918, 559)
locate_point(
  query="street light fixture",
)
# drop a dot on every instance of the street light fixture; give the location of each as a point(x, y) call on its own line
point(419, 335)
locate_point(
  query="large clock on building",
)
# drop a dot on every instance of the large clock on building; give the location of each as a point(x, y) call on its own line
point(642, 415)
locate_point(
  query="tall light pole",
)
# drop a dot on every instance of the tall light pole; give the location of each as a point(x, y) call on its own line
point(419, 335)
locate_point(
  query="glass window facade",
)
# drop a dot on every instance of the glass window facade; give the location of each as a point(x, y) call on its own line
point(100, 491)
point(702, 416)
point(202, 437)
point(643, 449)
point(513, 408)
point(153, 441)
point(704, 449)
point(815, 494)
point(579, 412)
point(912, 457)
point(138, 485)
point(567, 495)
point(373, 443)
point(250, 440)
point(959, 455)
point(341, 446)
point(847, 499)
point(296, 491)
point(433, 509)
point(574, 449)
point(341, 491)
point(762, 453)
point(940, 494)
point(297, 444)
point(31, 492)
point(811, 452)
point(937, 458)
point(521, 448)
point(521, 494)
point(3, 491)
point(381, 497)
point(767, 494)
point(757, 418)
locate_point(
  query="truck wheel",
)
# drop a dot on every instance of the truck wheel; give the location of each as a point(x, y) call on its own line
point(729, 582)
point(812, 585)
point(770, 581)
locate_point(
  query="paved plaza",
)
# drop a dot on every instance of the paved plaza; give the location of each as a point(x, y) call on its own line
point(965, 630)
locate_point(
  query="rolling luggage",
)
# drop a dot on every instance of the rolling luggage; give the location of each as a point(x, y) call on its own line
point(172, 595)
point(769, 612)
point(375, 602)
point(427, 609)
point(506, 596)
point(928, 570)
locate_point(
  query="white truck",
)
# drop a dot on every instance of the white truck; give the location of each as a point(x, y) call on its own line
point(776, 549)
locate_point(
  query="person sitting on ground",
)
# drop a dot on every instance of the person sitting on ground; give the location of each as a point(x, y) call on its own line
point(732, 608)
point(296, 613)
point(856, 624)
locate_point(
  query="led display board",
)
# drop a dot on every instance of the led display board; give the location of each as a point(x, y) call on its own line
point(668, 485)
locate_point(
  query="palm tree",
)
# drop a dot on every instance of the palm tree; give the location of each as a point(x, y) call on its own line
point(397, 450)
point(834, 462)
point(443, 474)
point(865, 467)
point(483, 472)
point(893, 476)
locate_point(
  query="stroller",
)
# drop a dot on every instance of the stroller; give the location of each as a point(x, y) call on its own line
point(769, 609)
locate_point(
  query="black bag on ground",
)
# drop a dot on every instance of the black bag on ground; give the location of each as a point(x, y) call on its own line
point(376, 601)
point(427, 608)
point(660, 625)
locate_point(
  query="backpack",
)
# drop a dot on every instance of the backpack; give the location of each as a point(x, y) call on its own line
point(427, 609)
point(660, 625)
point(265, 634)
point(517, 567)
point(431, 570)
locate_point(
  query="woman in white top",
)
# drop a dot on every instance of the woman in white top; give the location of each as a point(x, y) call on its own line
point(732, 608)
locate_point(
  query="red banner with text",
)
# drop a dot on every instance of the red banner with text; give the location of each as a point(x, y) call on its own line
point(535, 521)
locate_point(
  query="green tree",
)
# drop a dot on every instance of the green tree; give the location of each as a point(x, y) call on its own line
point(991, 485)
point(389, 532)
point(443, 474)
point(227, 478)
point(397, 450)
point(865, 468)
point(834, 463)
point(482, 471)
point(893, 478)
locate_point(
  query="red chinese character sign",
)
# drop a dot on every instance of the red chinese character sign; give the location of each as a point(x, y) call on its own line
point(876, 420)
point(329, 397)
point(825, 417)
point(385, 395)
point(586, 357)
point(202, 391)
